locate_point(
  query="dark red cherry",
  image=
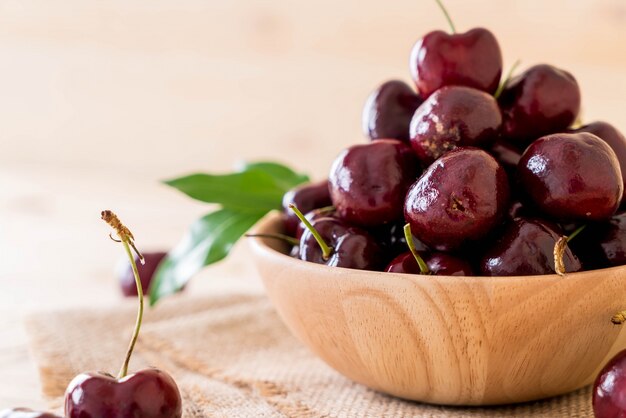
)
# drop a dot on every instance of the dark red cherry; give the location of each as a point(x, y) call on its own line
point(25, 413)
point(470, 59)
point(541, 101)
point(451, 117)
point(388, 111)
point(572, 177)
point(603, 244)
point(461, 197)
point(325, 212)
point(526, 248)
point(149, 393)
point(609, 389)
point(440, 264)
point(611, 136)
point(352, 247)
point(368, 182)
point(146, 271)
point(306, 197)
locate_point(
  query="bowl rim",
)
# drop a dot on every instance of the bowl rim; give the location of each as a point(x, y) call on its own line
point(269, 223)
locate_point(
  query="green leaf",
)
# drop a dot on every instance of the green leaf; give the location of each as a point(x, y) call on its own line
point(209, 240)
point(248, 190)
point(258, 186)
point(285, 176)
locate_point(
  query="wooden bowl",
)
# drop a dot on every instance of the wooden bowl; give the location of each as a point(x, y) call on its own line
point(448, 340)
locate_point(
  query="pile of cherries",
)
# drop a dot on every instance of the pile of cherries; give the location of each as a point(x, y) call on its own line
point(468, 175)
point(489, 176)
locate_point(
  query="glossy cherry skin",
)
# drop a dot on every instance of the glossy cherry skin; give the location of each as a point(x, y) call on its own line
point(306, 197)
point(439, 264)
point(603, 244)
point(146, 272)
point(609, 134)
point(572, 177)
point(461, 197)
point(388, 111)
point(368, 182)
point(451, 117)
point(543, 100)
point(609, 389)
point(352, 247)
point(470, 59)
point(25, 413)
point(526, 248)
point(149, 393)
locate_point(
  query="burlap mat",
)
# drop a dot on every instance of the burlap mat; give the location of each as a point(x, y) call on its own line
point(232, 357)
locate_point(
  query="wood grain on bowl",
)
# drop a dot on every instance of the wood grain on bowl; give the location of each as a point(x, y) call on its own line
point(449, 340)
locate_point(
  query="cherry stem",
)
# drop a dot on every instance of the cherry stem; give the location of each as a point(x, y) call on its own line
point(408, 235)
point(447, 15)
point(327, 250)
point(576, 232)
point(133, 341)
point(506, 80)
point(283, 237)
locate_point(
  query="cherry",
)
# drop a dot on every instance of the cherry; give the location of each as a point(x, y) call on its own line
point(148, 393)
point(388, 111)
point(25, 413)
point(461, 197)
point(611, 136)
point(542, 100)
point(422, 262)
point(470, 59)
point(572, 177)
point(527, 248)
point(454, 116)
point(333, 242)
point(307, 197)
point(609, 389)
point(603, 244)
point(146, 271)
point(368, 182)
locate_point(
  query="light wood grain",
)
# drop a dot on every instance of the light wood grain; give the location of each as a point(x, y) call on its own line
point(449, 340)
point(101, 100)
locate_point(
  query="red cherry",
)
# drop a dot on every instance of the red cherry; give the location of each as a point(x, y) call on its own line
point(572, 177)
point(368, 182)
point(306, 197)
point(440, 264)
point(609, 389)
point(149, 393)
point(461, 197)
point(452, 117)
point(543, 100)
point(471, 59)
point(388, 111)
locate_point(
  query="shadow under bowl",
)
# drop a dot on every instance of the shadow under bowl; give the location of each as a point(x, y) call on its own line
point(444, 339)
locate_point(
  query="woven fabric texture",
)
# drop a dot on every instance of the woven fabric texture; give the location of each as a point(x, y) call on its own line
point(232, 357)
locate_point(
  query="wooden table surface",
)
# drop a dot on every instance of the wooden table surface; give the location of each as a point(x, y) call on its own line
point(101, 100)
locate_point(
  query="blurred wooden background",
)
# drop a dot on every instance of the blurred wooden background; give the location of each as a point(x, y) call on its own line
point(101, 100)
